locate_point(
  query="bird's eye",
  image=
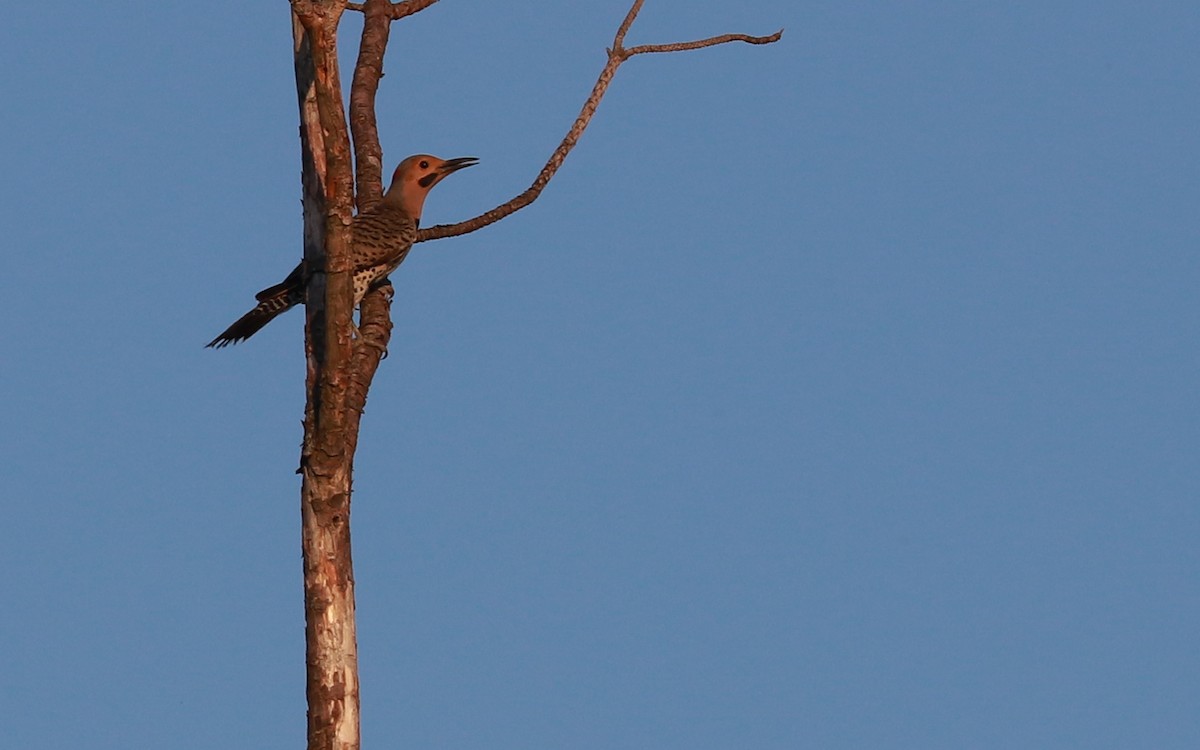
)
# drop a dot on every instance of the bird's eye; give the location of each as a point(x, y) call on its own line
point(424, 165)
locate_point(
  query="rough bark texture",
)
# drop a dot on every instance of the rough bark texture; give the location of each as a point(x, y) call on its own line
point(327, 455)
point(340, 366)
point(368, 156)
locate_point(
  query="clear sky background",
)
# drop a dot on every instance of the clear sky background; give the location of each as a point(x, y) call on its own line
point(836, 394)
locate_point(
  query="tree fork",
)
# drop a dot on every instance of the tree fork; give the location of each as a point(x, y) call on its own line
point(339, 366)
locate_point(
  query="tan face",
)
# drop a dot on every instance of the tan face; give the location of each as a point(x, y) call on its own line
point(417, 175)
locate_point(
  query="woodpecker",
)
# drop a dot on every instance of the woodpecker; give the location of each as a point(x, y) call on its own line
point(379, 241)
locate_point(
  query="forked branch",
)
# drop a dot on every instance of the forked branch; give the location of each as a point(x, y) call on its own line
point(617, 55)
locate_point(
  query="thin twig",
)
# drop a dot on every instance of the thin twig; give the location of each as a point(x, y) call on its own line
point(710, 42)
point(619, 41)
point(617, 55)
point(552, 165)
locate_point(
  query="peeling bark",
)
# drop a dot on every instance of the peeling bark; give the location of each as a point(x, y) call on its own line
point(327, 454)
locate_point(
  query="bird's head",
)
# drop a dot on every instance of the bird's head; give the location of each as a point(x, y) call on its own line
point(417, 175)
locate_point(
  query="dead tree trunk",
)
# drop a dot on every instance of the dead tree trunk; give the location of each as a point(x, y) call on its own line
point(341, 365)
point(327, 455)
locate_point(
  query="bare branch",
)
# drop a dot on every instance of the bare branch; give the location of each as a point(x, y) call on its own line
point(368, 156)
point(375, 331)
point(408, 7)
point(375, 323)
point(555, 161)
point(619, 41)
point(397, 11)
point(710, 42)
point(617, 55)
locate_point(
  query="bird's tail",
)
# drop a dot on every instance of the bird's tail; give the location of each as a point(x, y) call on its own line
point(272, 301)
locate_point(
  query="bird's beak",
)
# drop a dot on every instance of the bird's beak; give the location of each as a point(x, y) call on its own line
point(453, 165)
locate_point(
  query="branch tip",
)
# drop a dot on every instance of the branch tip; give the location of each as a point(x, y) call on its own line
point(619, 41)
point(617, 54)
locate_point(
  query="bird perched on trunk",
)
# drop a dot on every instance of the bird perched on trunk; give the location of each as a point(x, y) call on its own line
point(379, 241)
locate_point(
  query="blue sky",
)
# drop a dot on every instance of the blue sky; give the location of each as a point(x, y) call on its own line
point(839, 393)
